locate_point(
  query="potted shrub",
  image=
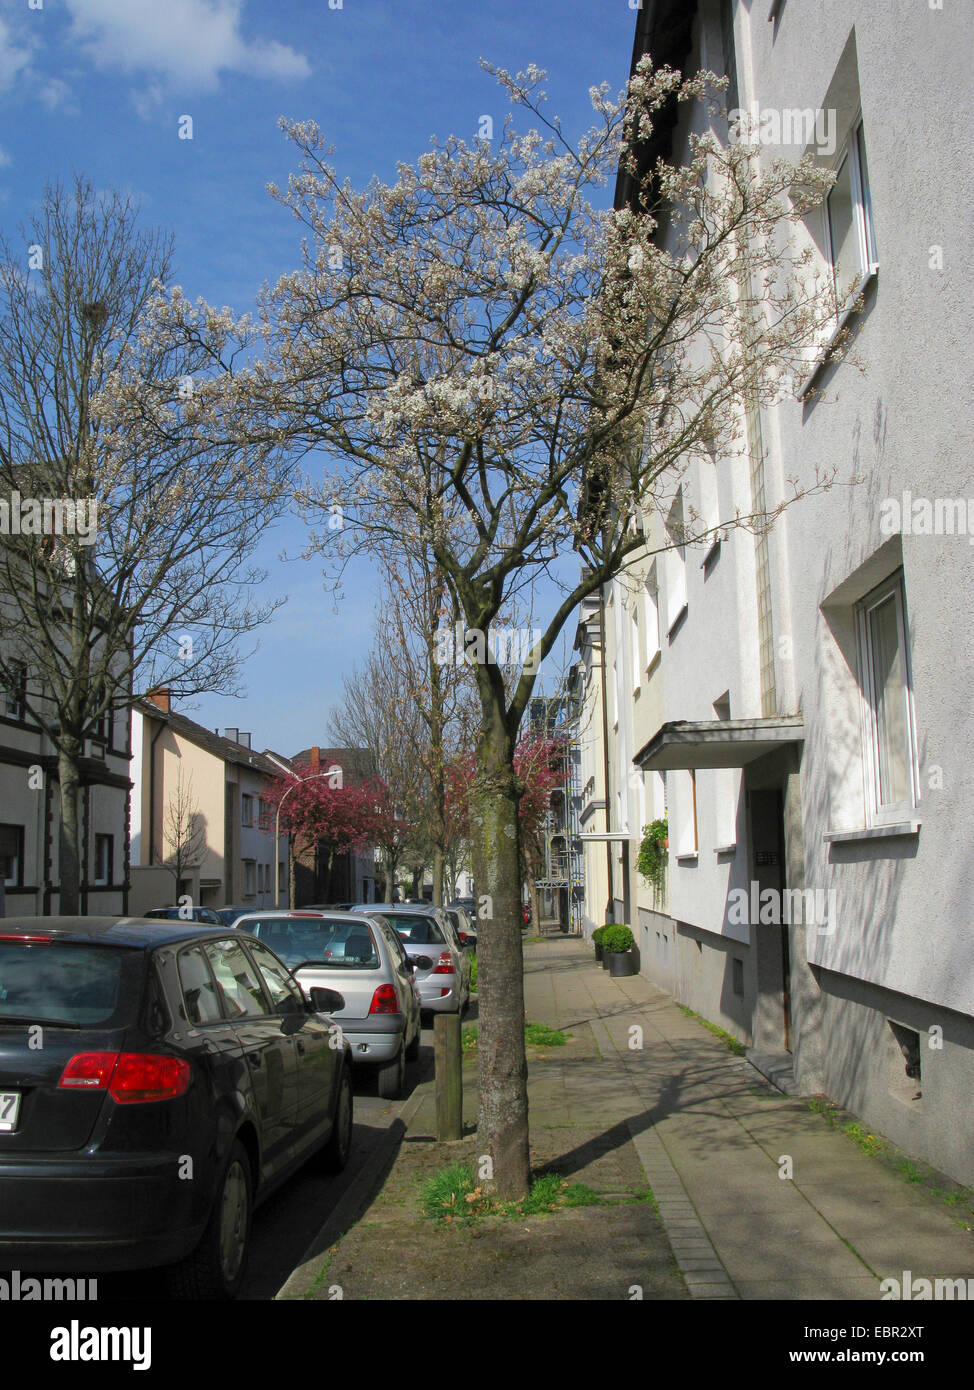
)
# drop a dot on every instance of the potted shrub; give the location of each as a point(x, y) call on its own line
point(597, 942)
point(652, 852)
point(617, 943)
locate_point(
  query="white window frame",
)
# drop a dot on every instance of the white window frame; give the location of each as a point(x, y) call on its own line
point(862, 213)
point(878, 814)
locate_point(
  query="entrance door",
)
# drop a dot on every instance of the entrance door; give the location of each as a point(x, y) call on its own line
point(767, 870)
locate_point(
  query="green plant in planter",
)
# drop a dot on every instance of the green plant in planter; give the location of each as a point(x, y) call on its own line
point(597, 936)
point(617, 938)
point(652, 852)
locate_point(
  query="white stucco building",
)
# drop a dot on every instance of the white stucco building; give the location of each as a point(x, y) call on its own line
point(798, 701)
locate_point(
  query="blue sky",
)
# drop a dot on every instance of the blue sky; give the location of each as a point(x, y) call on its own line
point(99, 87)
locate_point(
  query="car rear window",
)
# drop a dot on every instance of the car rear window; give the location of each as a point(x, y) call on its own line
point(58, 982)
point(422, 931)
point(335, 942)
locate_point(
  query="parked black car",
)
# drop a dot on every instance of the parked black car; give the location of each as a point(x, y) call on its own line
point(157, 1080)
point(206, 915)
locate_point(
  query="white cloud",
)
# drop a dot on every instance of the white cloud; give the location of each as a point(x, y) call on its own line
point(14, 57)
point(189, 41)
point(55, 93)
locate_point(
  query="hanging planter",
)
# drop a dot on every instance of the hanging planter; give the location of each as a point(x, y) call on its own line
point(652, 852)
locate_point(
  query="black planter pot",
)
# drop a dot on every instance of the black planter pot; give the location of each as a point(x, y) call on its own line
point(620, 963)
point(598, 951)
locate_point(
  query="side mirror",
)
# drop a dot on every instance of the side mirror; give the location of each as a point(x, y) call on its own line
point(423, 962)
point(326, 1001)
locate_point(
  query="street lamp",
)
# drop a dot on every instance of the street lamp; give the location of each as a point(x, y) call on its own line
point(277, 834)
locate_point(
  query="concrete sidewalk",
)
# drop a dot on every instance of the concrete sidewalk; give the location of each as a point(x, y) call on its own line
point(711, 1133)
point(640, 1096)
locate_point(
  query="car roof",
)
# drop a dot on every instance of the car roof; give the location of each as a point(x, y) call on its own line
point(140, 932)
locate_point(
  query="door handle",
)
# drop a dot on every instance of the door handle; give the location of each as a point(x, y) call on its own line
point(300, 1046)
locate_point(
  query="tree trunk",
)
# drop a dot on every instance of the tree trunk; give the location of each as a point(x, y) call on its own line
point(291, 872)
point(438, 876)
point(69, 858)
point(390, 877)
point(494, 827)
point(535, 902)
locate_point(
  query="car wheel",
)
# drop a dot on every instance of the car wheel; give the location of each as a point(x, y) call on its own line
point(392, 1076)
point(334, 1156)
point(412, 1051)
point(215, 1269)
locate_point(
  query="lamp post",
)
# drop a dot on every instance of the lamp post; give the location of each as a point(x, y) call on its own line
point(277, 834)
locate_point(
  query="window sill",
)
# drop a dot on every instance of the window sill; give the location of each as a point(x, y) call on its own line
point(677, 621)
point(712, 553)
point(872, 832)
point(726, 849)
point(822, 354)
point(654, 662)
point(691, 857)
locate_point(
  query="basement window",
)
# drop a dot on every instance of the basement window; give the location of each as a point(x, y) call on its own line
point(904, 1064)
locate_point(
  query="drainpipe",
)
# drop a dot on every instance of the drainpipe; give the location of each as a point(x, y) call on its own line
point(610, 908)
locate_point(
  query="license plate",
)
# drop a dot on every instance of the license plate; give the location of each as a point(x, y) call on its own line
point(9, 1109)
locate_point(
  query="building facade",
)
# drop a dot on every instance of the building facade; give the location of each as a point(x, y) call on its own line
point(794, 701)
point(198, 824)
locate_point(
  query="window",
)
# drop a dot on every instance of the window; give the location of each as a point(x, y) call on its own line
point(238, 985)
point(201, 1003)
point(675, 563)
point(849, 219)
point(247, 810)
point(250, 870)
point(889, 739)
point(12, 855)
point(286, 997)
point(104, 858)
point(651, 617)
point(16, 692)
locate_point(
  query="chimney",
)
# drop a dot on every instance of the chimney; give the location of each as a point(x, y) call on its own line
point(315, 758)
point(160, 698)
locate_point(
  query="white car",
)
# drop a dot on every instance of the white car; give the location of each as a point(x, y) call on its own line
point(442, 965)
point(362, 957)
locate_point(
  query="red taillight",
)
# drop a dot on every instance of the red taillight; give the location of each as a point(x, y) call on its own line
point(444, 966)
point(384, 1001)
point(130, 1077)
point(89, 1071)
point(20, 936)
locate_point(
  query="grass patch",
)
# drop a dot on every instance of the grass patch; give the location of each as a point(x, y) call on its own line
point(321, 1277)
point(540, 1035)
point(453, 1195)
point(730, 1042)
point(473, 975)
point(876, 1146)
point(535, 1035)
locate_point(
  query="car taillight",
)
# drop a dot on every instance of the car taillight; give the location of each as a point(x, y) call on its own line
point(444, 965)
point(21, 936)
point(130, 1077)
point(384, 1001)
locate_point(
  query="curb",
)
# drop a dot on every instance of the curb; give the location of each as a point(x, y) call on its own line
point(354, 1200)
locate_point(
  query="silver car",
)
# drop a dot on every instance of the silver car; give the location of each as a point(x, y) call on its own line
point(363, 958)
point(442, 965)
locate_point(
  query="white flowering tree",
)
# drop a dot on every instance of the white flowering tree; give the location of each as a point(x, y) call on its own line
point(504, 371)
point(117, 408)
